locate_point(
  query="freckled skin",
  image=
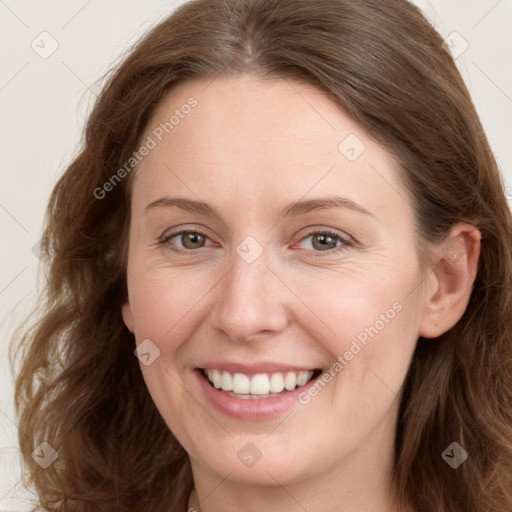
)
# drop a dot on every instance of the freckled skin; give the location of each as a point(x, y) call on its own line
point(250, 148)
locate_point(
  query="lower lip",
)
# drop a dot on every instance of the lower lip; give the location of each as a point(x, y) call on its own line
point(251, 409)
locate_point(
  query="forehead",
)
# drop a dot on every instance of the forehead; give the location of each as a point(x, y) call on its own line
point(249, 112)
point(275, 140)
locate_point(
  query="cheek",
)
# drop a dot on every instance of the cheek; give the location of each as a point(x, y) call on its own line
point(168, 305)
point(164, 300)
point(354, 305)
point(368, 323)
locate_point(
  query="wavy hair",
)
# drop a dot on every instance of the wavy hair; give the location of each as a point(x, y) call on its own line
point(78, 385)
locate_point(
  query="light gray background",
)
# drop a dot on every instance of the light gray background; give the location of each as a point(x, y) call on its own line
point(44, 102)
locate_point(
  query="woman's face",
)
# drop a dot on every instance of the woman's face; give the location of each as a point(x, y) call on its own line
point(270, 236)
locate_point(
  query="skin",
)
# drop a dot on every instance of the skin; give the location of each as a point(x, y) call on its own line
point(249, 148)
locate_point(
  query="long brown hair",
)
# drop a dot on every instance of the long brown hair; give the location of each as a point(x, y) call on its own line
point(79, 386)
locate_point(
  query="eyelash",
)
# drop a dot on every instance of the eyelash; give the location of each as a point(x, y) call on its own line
point(346, 242)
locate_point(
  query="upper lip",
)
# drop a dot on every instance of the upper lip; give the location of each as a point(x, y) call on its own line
point(255, 368)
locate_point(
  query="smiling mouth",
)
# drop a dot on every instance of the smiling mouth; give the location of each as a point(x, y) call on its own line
point(260, 385)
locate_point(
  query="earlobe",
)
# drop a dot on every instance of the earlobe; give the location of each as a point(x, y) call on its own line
point(127, 313)
point(454, 274)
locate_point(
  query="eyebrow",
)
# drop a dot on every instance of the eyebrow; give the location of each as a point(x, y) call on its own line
point(296, 208)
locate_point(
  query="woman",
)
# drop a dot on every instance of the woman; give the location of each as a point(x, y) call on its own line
point(290, 214)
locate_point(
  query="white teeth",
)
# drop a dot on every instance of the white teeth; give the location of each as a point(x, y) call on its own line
point(217, 379)
point(259, 384)
point(241, 384)
point(302, 378)
point(276, 383)
point(290, 381)
point(227, 381)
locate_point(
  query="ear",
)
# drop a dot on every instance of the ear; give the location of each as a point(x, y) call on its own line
point(452, 278)
point(127, 313)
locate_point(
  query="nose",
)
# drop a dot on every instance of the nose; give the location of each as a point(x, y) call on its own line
point(250, 301)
